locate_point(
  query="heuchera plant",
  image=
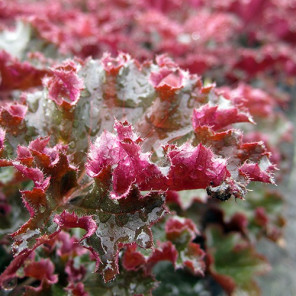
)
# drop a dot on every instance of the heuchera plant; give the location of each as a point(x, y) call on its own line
point(123, 175)
point(103, 148)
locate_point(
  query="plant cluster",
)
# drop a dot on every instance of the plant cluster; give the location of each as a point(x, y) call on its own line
point(129, 164)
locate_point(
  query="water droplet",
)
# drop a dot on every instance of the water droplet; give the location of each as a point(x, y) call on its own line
point(9, 284)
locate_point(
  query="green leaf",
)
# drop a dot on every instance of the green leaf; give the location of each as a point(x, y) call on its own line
point(234, 262)
point(180, 282)
point(122, 221)
point(127, 283)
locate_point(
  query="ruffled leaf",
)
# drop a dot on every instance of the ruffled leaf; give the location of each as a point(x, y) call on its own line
point(113, 65)
point(190, 167)
point(122, 221)
point(12, 115)
point(261, 172)
point(167, 82)
point(181, 232)
point(67, 220)
point(43, 271)
point(194, 168)
point(64, 85)
point(234, 264)
point(132, 259)
point(262, 212)
point(218, 118)
point(18, 75)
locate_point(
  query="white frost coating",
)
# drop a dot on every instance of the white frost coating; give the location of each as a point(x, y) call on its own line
point(133, 84)
point(108, 265)
point(264, 163)
point(224, 103)
point(134, 223)
point(154, 215)
point(164, 170)
point(144, 238)
point(109, 230)
point(187, 80)
point(42, 110)
point(94, 76)
point(109, 233)
point(15, 42)
point(194, 261)
point(24, 238)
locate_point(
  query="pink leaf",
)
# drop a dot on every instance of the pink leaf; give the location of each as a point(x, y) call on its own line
point(192, 258)
point(164, 252)
point(176, 226)
point(34, 174)
point(53, 160)
point(10, 271)
point(74, 274)
point(256, 101)
point(68, 246)
point(167, 81)
point(12, 115)
point(132, 259)
point(190, 167)
point(34, 199)
point(67, 220)
point(258, 172)
point(64, 85)
point(218, 118)
point(77, 289)
point(42, 270)
point(113, 65)
point(123, 153)
point(24, 155)
point(195, 167)
point(261, 217)
point(18, 75)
